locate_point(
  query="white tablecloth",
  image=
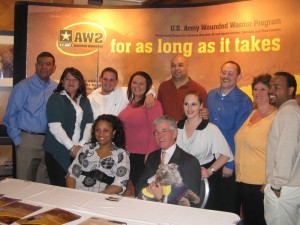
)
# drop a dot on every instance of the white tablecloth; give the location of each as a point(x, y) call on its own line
point(130, 210)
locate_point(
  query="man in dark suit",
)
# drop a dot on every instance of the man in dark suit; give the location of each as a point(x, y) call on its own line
point(165, 133)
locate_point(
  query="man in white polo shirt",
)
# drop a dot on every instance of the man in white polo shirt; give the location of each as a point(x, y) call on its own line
point(110, 99)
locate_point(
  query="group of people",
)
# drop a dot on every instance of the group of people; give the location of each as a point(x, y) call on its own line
point(249, 152)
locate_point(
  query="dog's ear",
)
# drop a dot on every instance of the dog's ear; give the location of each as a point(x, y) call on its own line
point(173, 166)
point(160, 168)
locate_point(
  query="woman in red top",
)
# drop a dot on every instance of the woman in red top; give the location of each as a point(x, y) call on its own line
point(138, 122)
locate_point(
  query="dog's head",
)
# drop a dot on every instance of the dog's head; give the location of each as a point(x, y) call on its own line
point(168, 174)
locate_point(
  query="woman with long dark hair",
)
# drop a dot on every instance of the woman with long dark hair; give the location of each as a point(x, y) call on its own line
point(138, 122)
point(70, 119)
point(102, 165)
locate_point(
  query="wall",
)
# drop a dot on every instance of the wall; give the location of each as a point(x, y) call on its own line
point(7, 24)
point(7, 11)
point(243, 31)
point(202, 69)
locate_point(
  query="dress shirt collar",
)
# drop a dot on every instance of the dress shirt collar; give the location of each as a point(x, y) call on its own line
point(231, 94)
point(40, 82)
point(169, 152)
point(288, 102)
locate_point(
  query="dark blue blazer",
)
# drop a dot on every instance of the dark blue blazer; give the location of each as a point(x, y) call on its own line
point(188, 167)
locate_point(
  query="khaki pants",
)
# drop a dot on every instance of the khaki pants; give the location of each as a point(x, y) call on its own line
point(30, 157)
point(284, 210)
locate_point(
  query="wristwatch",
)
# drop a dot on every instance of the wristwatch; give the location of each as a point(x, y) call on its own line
point(275, 190)
point(71, 149)
point(212, 170)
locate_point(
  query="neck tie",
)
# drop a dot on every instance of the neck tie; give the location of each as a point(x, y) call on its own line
point(163, 156)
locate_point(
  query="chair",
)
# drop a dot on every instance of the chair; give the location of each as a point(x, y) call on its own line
point(7, 169)
point(241, 222)
point(204, 193)
point(4, 138)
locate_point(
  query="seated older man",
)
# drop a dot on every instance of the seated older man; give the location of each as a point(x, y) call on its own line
point(188, 166)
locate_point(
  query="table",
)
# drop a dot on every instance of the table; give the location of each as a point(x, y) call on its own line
point(133, 211)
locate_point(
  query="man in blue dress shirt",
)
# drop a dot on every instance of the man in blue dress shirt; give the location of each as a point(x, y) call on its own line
point(26, 119)
point(228, 108)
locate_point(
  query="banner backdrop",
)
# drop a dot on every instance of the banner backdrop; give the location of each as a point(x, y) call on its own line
point(262, 36)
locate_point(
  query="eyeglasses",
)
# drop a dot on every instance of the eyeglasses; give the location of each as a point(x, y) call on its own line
point(162, 132)
point(71, 79)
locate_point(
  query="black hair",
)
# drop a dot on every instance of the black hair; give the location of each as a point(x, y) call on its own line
point(130, 95)
point(78, 75)
point(118, 127)
point(291, 81)
point(111, 70)
point(46, 54)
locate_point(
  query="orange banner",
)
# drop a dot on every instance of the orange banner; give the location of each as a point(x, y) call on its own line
point(262, 36)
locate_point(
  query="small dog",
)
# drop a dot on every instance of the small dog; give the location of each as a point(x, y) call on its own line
point(173, 187)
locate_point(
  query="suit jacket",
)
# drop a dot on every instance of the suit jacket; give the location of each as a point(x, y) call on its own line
point(188, 167)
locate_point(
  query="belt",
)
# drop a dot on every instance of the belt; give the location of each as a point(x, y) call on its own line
point(34, 133)
point(98, 175)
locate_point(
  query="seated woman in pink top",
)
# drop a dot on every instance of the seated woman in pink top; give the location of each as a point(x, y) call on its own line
point(138, 123)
